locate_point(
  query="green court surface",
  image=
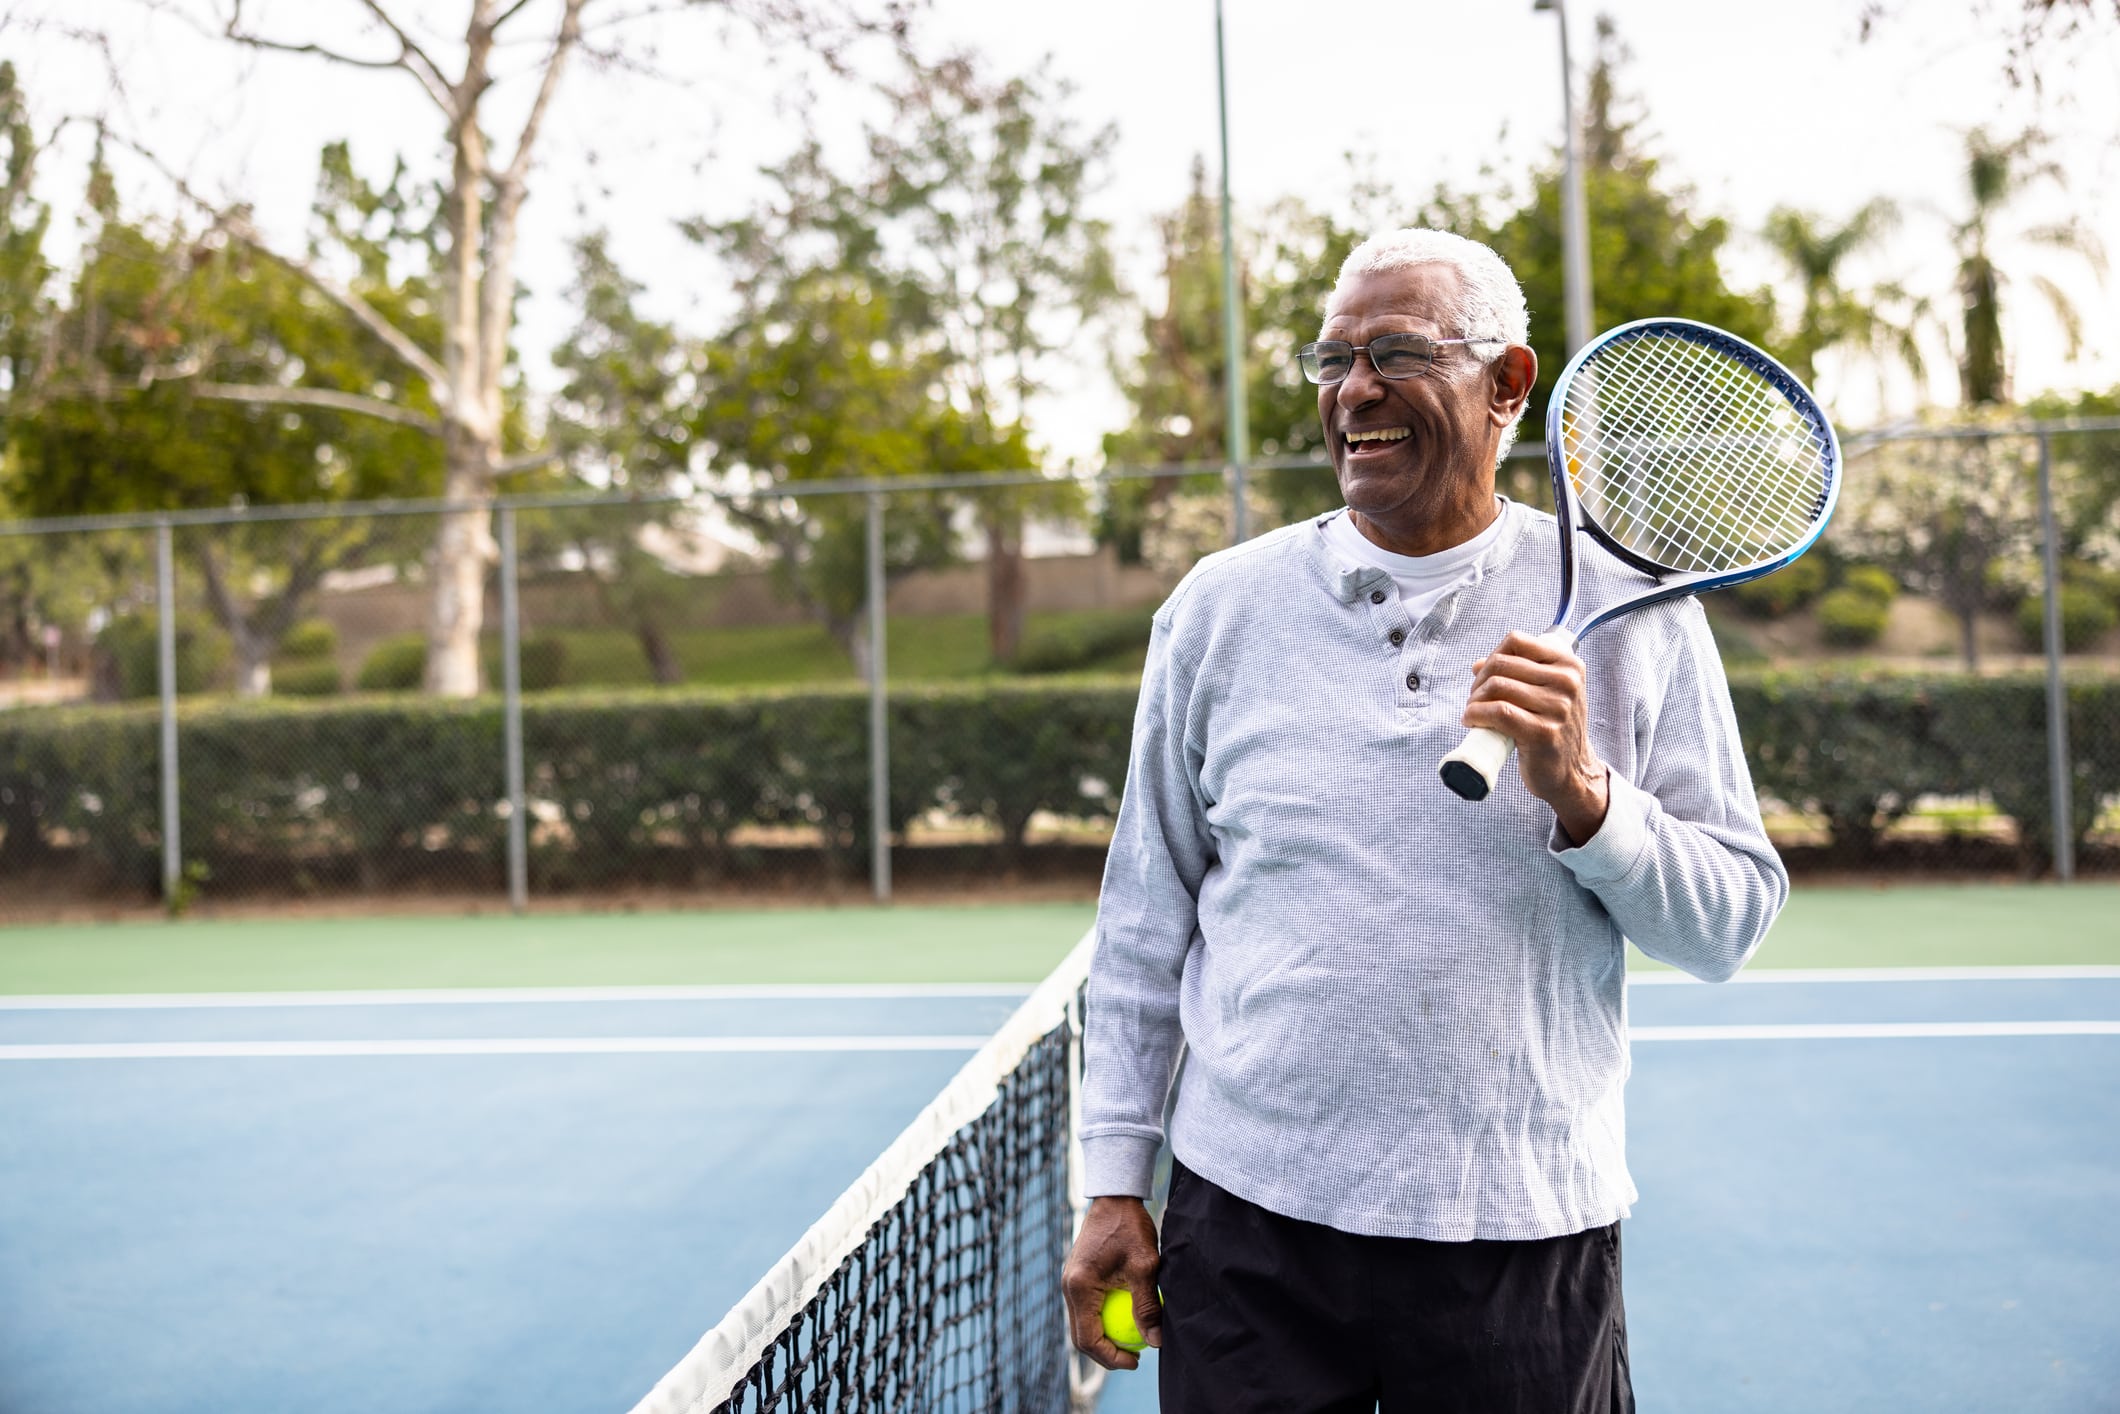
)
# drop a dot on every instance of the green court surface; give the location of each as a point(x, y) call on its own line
point(1940, 925)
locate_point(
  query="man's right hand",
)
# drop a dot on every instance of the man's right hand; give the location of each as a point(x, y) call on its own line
point(1116, 1251)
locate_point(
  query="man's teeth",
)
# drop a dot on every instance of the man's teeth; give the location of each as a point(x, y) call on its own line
point(1388, 434)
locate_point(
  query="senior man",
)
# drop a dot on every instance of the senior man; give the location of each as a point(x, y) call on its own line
point(1397, 1130)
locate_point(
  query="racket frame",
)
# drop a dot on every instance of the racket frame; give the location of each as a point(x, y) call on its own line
point(1471, 770)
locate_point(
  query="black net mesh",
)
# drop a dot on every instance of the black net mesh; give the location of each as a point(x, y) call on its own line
point(952, 1303)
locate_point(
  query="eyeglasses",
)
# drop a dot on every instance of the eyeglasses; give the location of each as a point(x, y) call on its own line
point(1391, 355)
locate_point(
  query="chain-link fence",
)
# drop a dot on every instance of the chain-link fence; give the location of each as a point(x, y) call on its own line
point(839, 689)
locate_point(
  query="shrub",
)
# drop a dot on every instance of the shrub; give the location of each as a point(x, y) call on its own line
point(1872, 580)
point(656, 784)
point(130, 650)
point(309, 640)
point(1784, 591)
point(2103, 582)
point(395, 665)
point(1073, 647)
point(1850, 618)
point(2086, 617)
point(306, 678)
point(543, 661)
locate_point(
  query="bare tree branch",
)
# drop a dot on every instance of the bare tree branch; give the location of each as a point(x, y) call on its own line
point(525, 461)
point(570, 30)
point(269, 395)
point(410, 53)
point(238, 225)
point(410, 57)
point(508, 14)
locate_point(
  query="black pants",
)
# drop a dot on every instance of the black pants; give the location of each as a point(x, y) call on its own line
point(1267, 1313)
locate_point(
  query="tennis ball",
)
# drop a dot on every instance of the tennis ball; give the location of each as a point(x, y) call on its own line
point(1119, 1320)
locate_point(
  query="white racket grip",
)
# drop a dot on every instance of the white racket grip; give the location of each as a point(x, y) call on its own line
point(1471, 770)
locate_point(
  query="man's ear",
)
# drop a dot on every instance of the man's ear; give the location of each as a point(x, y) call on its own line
point(1512, 376)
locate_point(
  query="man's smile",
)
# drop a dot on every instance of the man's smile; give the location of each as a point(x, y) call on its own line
point(1375, 439)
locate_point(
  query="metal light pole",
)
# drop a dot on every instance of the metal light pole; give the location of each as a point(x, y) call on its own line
point(1575, 232)
point(1238, 442)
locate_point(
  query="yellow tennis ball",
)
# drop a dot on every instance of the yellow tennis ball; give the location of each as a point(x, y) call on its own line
point(1119, 1320)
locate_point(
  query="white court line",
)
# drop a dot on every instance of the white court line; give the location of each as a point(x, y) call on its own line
point(495, 1046)
point(2060, 973)
point(1872, 1030)
point(783, 1045)
point(829, 991)
point(491, 996)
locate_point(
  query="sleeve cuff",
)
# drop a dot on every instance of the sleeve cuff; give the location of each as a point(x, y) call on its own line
point(1619, 843)
point(1119, 1165)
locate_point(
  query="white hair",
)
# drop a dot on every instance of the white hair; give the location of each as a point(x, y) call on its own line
point(1489, 304)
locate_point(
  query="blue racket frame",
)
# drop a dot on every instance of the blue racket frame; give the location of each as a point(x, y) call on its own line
point(1569, 512)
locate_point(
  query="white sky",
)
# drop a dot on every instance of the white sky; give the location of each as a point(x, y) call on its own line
point(1756, 105)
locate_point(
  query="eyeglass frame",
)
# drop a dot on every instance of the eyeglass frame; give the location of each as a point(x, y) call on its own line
point(1310, 350)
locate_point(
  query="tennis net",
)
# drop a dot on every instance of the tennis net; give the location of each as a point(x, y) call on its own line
point(932, 1285)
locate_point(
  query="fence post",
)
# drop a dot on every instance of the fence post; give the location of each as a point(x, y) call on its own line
point(512, 719)
point(2056, 688)
point(166, 683)
point(879, 703)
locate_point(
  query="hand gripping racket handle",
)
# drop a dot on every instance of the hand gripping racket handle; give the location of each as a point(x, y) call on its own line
point(1472, 769)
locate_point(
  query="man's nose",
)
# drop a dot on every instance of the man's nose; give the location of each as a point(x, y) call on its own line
point(1361, 386)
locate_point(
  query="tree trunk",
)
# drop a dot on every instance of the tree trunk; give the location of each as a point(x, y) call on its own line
point(655, 646)
point(1969, 638)
point(456, 606)
point(851, 633)
point(1005, 586)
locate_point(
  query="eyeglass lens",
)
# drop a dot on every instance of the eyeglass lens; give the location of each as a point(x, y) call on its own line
point(1392, 355)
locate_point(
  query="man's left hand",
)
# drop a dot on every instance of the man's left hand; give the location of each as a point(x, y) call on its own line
point(1532, 690)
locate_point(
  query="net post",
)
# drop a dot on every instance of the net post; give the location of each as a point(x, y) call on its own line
point(166, 687)
point(512, 717)
point(879, 711)
point(2056, 687)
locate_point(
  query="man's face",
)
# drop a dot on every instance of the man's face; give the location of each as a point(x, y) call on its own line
point(1437, 451)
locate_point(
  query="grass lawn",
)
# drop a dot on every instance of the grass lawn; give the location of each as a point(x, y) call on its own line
point(929, 648)
point(1941, 925)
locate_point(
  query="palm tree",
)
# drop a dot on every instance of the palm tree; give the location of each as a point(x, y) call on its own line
point(1998, 173)
point(1831, 314)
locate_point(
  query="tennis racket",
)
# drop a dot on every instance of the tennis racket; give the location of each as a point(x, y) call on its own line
point(1691, 456)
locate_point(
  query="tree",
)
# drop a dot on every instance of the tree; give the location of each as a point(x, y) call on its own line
point(1288, 257)
point(183, 371)
point(1830, 315)
point(812, 385)
point(1997, 173)
point(1942, 512)
point(466, 374)
point(2032, 30)
point(1651, 252)
point(622, 421)
point(979, 188)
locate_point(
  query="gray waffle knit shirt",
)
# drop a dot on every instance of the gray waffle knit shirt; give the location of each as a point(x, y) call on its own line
point(1401, 1014)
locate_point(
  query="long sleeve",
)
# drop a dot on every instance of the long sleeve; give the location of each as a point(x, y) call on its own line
point(1682, 861)
point(1161, 849)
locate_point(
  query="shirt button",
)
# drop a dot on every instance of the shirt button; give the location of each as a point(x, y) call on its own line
point(1398, 636)
point(1413, 682)
point(1376, 596)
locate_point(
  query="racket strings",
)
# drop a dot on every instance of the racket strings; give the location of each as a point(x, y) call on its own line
point(1689, 458)
point(1692, 491)
point(1716, 510)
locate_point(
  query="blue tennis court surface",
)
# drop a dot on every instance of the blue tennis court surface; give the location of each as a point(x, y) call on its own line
point(1878, 1191)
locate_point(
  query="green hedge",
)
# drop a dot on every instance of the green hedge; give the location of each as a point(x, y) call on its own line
point(656, 783)
point(1859, 747)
